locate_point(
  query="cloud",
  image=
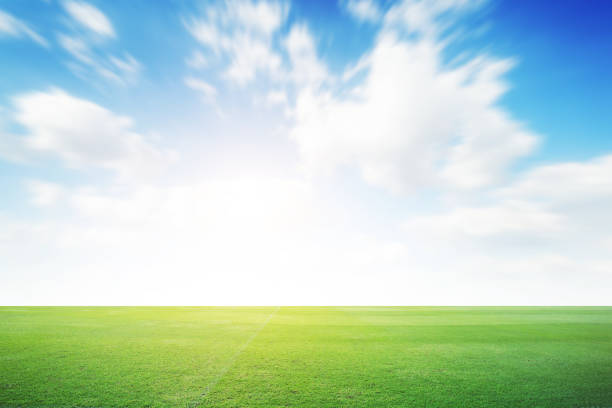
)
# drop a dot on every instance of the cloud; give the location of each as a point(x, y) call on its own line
point(242, 32)
point(414, 120)
point(12, 26)
point(428, 19)
point(128, 65)
point(559, 210)
point(87, 42)
point(363, 10)
point(277, 97)
point(43, 193)
point(487, 222)
point(196, 60)
point(83, 134)
point(247, 37)
point(519, 249)
point(286, 233)
point(207, 91)
point(78, 48)
point(306, 68)
point(564, 183)
point(401, 116)
point(90, 58)
point(279, 226)
point(90, 17)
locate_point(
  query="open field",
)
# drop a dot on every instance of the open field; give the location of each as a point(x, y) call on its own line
point(305, 357)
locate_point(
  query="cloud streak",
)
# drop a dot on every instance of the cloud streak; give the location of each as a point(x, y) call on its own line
point(242, 32)
point(86, 40)
point(13, 27)
point(90, 17)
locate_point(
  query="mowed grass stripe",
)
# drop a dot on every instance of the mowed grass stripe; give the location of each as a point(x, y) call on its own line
point(230, 363)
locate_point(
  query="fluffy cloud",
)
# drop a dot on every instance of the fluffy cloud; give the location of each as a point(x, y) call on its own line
point(84, 134)
point(242, 31)
point(12, 26)
point(414, 120)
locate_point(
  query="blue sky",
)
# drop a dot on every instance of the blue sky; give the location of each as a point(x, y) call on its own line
point(359, 151)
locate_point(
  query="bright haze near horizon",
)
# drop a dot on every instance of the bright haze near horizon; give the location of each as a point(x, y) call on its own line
point(305, 152)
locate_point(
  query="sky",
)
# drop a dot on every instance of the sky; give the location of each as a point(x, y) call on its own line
point(268, 152)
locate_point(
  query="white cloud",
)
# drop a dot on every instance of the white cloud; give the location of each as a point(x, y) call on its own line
point(90, 47)
point(84, 134)
point(78, 48)
point(250, 56)
point(90, 57)
point(558, 211)
point(277, 97)
point(306, 68)
point(207, 91)
point(246, 36)
point(90, 17)
point(427, 18)
point(400, 115)
point(262, 16)
point(363, 10)
point(44, 194)
point(129, 65)
point(252, 230)
point(486, 222)
point(12, 26)
point(196, 60)
point(242, 31)
point(508, 251)
point(564, 183)
point(414, 120)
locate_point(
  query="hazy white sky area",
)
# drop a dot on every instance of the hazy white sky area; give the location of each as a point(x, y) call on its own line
point(251, 168)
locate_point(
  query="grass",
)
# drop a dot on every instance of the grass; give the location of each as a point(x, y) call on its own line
point(305, 357)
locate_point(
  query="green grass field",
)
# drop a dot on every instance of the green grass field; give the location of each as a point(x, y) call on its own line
point(305, 357)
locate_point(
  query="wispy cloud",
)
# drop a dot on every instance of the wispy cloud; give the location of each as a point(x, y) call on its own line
point(363, 10)
point(87, 40)
point(90, 17)
point(13, 27)
point(241, 31)
point(196, 60)
point(207, 91)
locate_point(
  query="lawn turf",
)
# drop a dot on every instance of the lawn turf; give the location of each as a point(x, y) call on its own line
point(306, 357)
